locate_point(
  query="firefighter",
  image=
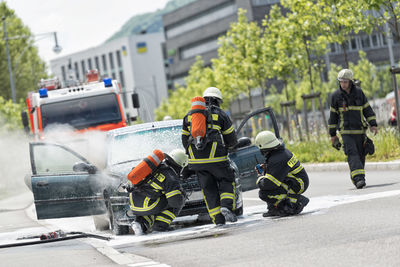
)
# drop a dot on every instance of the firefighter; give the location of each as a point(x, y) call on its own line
point(158, 199)
point(210, 162)
point(350, 113)
point(283, 178)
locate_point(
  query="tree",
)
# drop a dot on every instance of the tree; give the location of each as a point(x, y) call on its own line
point(28, 68)
point(240, 66)
point(179, 101)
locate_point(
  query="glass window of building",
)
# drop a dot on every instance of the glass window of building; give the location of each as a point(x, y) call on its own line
point(365, 41)
point(122, 79)
point(96, 63)
point(76, 70)
point(114, 77)
point(264, 2)
point(83, 69)
point(353, 44)
point(63, 73)
point(89, 61)
point(333, 48)
point(119, 61)
point(111, 58)
point(201, 48)
point(206, 18)
point(104, 61)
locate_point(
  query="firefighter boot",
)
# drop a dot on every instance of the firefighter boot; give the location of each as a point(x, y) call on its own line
point(228, 214)
point(272, 211)
point(302, 201)
point(160, 227)
point(359, 182)
point(219, 219)
point(140, 226)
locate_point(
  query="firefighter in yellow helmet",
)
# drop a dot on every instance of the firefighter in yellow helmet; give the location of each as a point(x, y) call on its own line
point(351, 114)
point(282, 179)
point(210, 161)
point(157, 199)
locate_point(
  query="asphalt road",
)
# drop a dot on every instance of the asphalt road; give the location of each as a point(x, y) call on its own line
point(341, 226)
point(360, 229)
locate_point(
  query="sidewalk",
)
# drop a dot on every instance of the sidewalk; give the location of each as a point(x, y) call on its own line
point(343, 166)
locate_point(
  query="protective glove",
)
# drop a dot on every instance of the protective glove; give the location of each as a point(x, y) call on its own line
point(336, 143)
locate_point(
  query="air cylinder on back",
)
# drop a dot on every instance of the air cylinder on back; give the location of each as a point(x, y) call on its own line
point(146, 167)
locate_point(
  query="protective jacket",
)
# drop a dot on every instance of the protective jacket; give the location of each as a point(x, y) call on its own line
point(350, 113)
point(284, 177)
point(161, 195)
point(220, 135)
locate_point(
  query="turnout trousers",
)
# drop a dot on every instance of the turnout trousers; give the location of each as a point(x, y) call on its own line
point(218, 188)
point(152, 213)
point(290, 188)
point(353, 149)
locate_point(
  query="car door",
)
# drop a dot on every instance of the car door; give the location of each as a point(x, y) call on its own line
point(58, 190)
point(248, 156)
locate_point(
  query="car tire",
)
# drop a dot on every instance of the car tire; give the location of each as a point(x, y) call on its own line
point(115, 228)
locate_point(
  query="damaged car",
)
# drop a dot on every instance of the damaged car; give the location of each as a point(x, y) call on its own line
point(66, 184)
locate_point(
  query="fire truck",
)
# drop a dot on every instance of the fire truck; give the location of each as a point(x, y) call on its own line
point(95, 105)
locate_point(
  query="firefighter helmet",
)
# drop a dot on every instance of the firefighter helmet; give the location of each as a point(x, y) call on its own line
point(345, 75)
point(179, 156)
point(213, 92)
point(266, 140)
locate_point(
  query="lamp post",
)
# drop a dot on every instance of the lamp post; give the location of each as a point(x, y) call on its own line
point(57, 49)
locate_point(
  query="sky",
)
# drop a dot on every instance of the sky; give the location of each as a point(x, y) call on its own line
point(80, 24)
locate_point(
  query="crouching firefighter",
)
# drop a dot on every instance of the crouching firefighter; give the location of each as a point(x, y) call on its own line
point(207, 133)
point(156, 197)
point(281, 179)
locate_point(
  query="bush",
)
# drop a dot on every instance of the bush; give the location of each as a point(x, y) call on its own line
point(319, 149)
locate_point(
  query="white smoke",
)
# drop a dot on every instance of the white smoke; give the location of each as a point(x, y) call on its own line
point(14, 162)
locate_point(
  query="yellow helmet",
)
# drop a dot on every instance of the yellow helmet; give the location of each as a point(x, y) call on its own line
point(266, 140)
point(345, 75)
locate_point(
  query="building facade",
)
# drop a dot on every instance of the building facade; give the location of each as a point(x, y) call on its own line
point(194, 29)
point(137, 62)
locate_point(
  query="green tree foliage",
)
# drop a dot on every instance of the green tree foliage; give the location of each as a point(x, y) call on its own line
point(389, 11)
point(240, 65)
point(10, 115)
point(28, 68)
point(179, 101)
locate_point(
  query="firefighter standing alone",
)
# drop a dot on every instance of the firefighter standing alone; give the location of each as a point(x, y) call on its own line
point(210, 162)
point(283, 178)
point(158, 198)
point(350, 113)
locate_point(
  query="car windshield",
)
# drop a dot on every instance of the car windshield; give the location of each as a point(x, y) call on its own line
point(82, 113)
point(135, 146)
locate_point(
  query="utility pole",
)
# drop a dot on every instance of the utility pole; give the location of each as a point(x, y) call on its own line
point(12, 85)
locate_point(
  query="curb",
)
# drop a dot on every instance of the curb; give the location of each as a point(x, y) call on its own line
point(343, 166)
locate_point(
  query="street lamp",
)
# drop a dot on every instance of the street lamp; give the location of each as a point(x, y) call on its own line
point(57, 49)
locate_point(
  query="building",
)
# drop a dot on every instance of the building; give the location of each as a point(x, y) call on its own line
point(137, 62)
point(194, 29)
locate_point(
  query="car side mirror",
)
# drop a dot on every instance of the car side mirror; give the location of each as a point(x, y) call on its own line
point(84, 167)
point(243, 142)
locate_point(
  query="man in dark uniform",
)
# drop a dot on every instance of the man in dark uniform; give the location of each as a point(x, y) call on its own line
point(159, 198)
point(283, 178)
point(350, 113)
point(216, 177)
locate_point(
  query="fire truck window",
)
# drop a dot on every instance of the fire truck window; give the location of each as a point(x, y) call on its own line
point(83, 113)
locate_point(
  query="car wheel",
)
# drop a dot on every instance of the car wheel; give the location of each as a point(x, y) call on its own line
point(115, 228)
point(239, 211)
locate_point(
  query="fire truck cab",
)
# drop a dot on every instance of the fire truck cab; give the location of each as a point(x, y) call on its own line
point(91, 106)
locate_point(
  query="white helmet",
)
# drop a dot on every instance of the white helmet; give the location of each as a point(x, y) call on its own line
point(345, 75)
point(167, 118)
point(213, 92)
point(266, 140)
point(179, 156)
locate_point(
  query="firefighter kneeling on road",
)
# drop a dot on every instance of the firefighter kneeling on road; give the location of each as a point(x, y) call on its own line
point(283, 178)
point(156, 196)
